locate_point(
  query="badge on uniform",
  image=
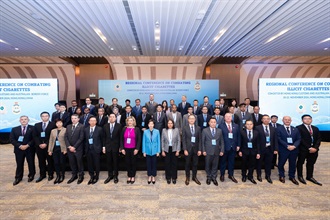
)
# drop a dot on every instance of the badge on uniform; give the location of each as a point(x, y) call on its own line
point(230, 135)
point(20, 138)
point(128, 141)
point(214, 142)
point(267, 139)
point(43, 134)
point(289, 140)
point(250, 145)
point(193, 139)
point(57, 143)
point(90, 140)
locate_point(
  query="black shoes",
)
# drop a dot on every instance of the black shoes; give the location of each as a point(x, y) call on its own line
point(252, 180)
point(95, 179)
point(187, 181)
point(115, 179)
point(73, 178)
point(244, 179)
point(168, 181)
point(208, 181)
point(301, 179)
point(215, 182)
point(233, 179)
point(196, 180)
point(314, 181)
point(40, 179)
point(259, 178)
point(80, 179)
point(90, 181)
point(222, 178)
point(108, 179)
point(56, 179)
point(30, 178)
point(294, 181)
point(16, 182)
point(50, 177)
point(269, 180)
point(174, 181)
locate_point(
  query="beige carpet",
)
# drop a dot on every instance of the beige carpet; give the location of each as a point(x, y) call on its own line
point(45, 200)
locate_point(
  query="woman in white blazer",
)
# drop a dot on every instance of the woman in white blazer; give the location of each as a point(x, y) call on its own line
point(171, 146)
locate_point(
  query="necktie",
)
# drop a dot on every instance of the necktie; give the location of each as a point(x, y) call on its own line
point(192, 130)
point(100, 118)
point(288, 130)
point(195, 110)
point(183, 105)
point(267, 132)
point(143, 117)
point(91, 133)
point(101, 105)
point(111, 129)
point(274, 125)
point(249, 135)
point(256, 117)
point(243, 114)
point(158, 117)
point(229, 129)
point(43, 126)
point(24, 130)
point(73, 110)
point(217, 117)
point(61, 115)
point(221, 106)
point(204, 117)
point(213, 132)
point(73, 127)
point(310, 130)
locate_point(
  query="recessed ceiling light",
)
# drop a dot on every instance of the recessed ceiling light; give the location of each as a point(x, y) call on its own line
point(4, 42)
point(181, 47)
point(39, 35)
point(325, 40)
point(157, 48)
point(101, 35)
point(216, 38)
point(134, 48)
point(112, 48)
point(325, 48)
point(16, 48)
point(277, 35)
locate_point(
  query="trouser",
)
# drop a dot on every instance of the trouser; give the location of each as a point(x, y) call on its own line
point(230, 157)
point(76, 163)
point(266, 157)
point(211, 166)
point(112, 162)
point(151, 165)
point(43, 156)
point(59, 161)
point(274, 160)
point(283, 157)
point(192, 158)
point(311, 160)
point(93, 163)
point(130, 160)
point(20, 156)
point(248, 162)
point(171, 165)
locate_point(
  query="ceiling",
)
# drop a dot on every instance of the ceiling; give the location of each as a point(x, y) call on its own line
point(226, 28)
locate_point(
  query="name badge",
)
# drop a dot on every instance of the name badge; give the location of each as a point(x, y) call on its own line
point(20, 138)
point(230, 135)
point(214, 142)
point(43, 134)
point(57, 143)
point(267, 139)
point(289, 140)
point(90, 140)
point(193, 139)
point(204, 124)
point(128, 141)
point(216, 125)
point(142, 124)
point(250, 145)
point(243, 121)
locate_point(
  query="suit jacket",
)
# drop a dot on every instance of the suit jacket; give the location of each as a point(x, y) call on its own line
point(185, 120)
point(84, 119)
point(200, 121)
point(207, 142)
point(176, 140)
point(255, 121)
point(75, 138)
point(235, 119)
point(137, 111)
point(231, 143)
point(255, 143)
point(283, 135)
point(110, 109)
point(16, 132)
point(262, 138)
point(123, 118)
point(186, 139)
point(184, 110)
point(223, 110)
point(178, 122)
point(137, 138)
point(160, 124)
point(247, 116)
point(219, 121)
point(60, 138)
point(306, 139)
point(196, 111)
point(91, 108)
point(112, 142)
point(66, 118)
point(139, 121)
point(53, 118)
point(72, 111)
point(97, 106)
point(151, 145)
point(101, 122)
point(37, 133)
point(277, 125)
point(151, 107)
point(249, 109)
point(97, 139)
point(209, 107)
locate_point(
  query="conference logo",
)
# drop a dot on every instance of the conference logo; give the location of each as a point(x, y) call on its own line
point(197, 86)
point(3, 109)
point(300, 108)
point(16, 108)
point(117, 87)
point(315, 107)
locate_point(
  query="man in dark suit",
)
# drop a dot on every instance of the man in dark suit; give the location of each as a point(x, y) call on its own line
point(64, 116)
point(128, 112)
point(196, 108)
point(93, 147)
point(142, 119)
point(160, 119)
point(308, 149)
point(204, 118)
point(151, 105)
point(183, 106)
point(21, 137)
point(212, 147)
point(243, 115)
point(232, 139)
point(191, 145)
point(268, 147)
point(137, 109)
point(73, 108)
point(111, 142)
point(218, 117)
point(235, 118)
point(274, 124)
point(288, 141)
point(74, 140)
point(41, 138)
point(101, 118)
point(89, 105)
point(85, 117)
point(113, 105)
point(256, 116)
point(57, 110)
point(208, 105)
point(223, 107)
point(101, 104)
point(249, 150)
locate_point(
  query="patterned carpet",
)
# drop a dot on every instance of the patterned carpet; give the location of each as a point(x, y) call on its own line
point(45, 200)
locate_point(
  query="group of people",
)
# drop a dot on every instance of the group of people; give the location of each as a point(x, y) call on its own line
point(218, 132)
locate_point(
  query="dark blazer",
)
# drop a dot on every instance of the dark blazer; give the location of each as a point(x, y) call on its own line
point(137, 136)
point(235, 119)
point(101, 122)
point(184, 110)
point(223, 110)
point(70, 110)
point(66, 118)
point(97, 139)
point(283, 135)
point(123, 118)
point(186, 139)
point(197, 111)
point(159, 125)
point(306, 139)
point(255, 122)
point(200, 121)
point(262, 138)
point(209, 107)
point(247, 116)
point(255, 143)
point(139, 121)
point(137, 111)
point(97, 106)
point(84, 120)
point(151, 108)
point(277, 125)
point(231, 143)
point(91, 108)
point(53, 118)
point(219, 121)
point(207, 142)
point(28, 138)
point(75, 138)
point(112, 142)
point(37, 133)
point(110, 109)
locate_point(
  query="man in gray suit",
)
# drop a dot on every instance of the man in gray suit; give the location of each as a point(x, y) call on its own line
point(213, 146)
point(176, 117)
point(151, 105)
point(74, 138)
point(191, 144)
point(185, 117)
point(243, 115)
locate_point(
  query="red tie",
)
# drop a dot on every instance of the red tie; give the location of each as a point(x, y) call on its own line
point(229, 129)
point(310, 130)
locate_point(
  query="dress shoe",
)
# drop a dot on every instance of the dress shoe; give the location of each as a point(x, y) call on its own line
point(294, 181)
point(301, 179)
point(40, 179)
point(208, 181)
point(153, 180)
point(168, 181)
point(259, 178)
point(108, 180)
point(244, 179)
point(95, 179)
point(269, 180)
point(80, 179)
point(252, 180)
point(50, 177)
point(282, 179)
point(90, 181)
point(61, 179)
point(115, 179)
point(314, 181)
point(16, 181)
point(133, 180)
point(128, 181)
point(215, 182)
point(73, 178)
point(222, 178)
point(56, 179)
point(232, 179)
point(187, 181)
point(196, 180)
point(30, 178)
point(174, 181)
